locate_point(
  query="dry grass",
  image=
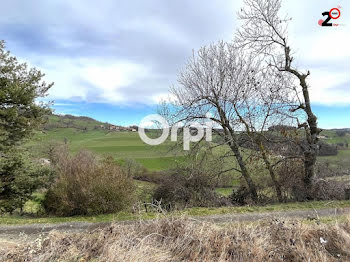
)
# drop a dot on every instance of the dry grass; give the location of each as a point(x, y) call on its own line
point(185, 240)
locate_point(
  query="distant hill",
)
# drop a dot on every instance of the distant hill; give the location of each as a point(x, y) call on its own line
point(82, 132)
point(83, 123)
point(70, 121)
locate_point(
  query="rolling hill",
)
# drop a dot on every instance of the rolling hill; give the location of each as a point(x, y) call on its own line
point(87, 133)
point(82, 132)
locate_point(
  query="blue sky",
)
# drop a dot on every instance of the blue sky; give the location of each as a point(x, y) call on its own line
point(115, 60)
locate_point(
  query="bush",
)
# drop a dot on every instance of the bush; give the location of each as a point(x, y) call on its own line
point(291, 174)
point(341, 132)
point(19, 178)
point(85, 186)
point(324, 187)
point(240, 196)
point(326, 149)
point(185, 189)
point(132, 168)
point(328, 190)
point(156, 177)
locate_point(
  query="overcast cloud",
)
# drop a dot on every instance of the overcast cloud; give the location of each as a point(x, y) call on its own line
point(129, 52)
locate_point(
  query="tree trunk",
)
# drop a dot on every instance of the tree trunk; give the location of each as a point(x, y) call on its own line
point(309, 167)
point(232, 142)
point(312, 132)
point(272, 173)
point(311, 129)
point(251, 186)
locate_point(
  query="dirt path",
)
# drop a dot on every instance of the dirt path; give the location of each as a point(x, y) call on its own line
point(13, 234)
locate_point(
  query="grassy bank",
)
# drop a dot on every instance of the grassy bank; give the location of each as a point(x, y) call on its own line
point(197, 211)
point(179, 239)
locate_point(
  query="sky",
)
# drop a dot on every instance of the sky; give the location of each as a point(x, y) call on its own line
point(115, 60)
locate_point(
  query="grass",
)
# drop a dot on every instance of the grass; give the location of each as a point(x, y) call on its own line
point(144, 190)
point(180, 239)
point(195, 211)
point(201, 211)
point(120, 145)
point(124, 145)
point(160, 163)
point(224, 191)
point(333, 138)
point(121, 216)
point(340, 160)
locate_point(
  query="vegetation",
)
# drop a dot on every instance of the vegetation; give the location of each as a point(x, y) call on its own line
point(20, 177)
point(265, 147)
point(20, 115)
point(85, 186)
point(262, 153)
point(193, 212)
point(120, 145)
point(264, 34)
point(154, 168)
point(19, 89)
point(186, 189)
point(246, 87)
point(180, 239)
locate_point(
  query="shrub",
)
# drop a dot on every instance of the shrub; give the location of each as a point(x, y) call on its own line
point(240, 196)
point(326, 149)
point(291, 174)
point(324, 187)
point(328, 190)
point(19, 178)
point(86, 186)
point(151, 176)
point(183, 189)
point(341, 132)
point(132, 168)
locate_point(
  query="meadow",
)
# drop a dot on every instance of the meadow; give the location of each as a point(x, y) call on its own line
point(342, 159)
point(120, 145)
point(82, 133)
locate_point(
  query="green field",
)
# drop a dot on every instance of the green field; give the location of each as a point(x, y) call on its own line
point(83, 133)
point(343, 158)
point(340, 160)
point(333, 138)
point(80, 134)
point(121, 145)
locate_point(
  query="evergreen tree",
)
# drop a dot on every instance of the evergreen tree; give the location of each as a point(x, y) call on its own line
point(20, 115)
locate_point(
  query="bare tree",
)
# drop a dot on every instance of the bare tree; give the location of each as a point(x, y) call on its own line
point(263, 104)
point(213, 82)
point(264, 32)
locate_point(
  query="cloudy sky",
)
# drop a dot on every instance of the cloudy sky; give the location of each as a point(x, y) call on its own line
point(114, 60)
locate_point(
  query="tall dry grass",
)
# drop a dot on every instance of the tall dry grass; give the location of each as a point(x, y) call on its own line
point(186, 240)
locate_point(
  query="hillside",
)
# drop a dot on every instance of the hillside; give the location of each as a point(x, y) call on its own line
point(82, 132)
point(340, 138)
point(87, 133)
point(81, 123)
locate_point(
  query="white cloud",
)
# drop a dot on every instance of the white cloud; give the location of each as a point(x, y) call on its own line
point(129, 52)
point(163, 97)
point(91, 79)
point(325, 87)
point(325, 51)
